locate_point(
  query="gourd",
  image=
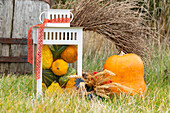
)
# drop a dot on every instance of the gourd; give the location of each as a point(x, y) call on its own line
point(129, 70)
point(57, 50)
point(74, 82)
point(70, 54)
point(54, 89)
point(71, 83)
point(47, 57)
point(59, 67)
point(48, 77)
point(63, 79)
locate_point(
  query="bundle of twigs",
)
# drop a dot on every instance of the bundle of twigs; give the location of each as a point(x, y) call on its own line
point(98, 84)
point(121, 22)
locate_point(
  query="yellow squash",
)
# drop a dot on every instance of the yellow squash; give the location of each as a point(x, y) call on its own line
point(54, 89)
point(47, 57)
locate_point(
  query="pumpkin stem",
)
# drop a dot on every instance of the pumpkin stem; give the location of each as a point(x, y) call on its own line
point(121, 53)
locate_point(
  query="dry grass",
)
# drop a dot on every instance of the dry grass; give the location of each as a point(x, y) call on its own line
point(160, 12)
point(96, 48)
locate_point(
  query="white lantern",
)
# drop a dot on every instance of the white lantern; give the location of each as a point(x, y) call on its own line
point(58, 34)
point(59, 14)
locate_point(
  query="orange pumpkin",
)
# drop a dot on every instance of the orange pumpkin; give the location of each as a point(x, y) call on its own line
point(129, 70)
point(70, 54)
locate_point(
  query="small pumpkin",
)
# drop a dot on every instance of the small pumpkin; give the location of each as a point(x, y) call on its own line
point(59, 67)
point(71, 83)
point(70, 54)
point(129, 70)
point(74, 82)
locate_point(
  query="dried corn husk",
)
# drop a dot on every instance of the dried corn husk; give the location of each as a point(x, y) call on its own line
point(98, 84)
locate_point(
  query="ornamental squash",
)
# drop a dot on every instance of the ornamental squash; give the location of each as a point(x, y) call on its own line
point(47, 57)
point(57, 50)
point(59, 67)
point(70, 54)
point(74, 82)
point(129, 70)
point(71, 83)
point(54, 89)
point(63, 79)
point(48, 77)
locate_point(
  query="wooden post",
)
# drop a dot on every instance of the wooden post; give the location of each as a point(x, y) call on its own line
point(6, 16)
point(17, 17)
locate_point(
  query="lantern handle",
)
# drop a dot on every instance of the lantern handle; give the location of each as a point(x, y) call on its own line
point(71, 16)
point(41, 15)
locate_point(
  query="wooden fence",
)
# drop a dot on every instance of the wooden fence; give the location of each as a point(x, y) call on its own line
point(16, 17)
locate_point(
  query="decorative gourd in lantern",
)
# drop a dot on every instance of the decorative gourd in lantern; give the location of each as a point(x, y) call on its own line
point(54, 89)
point(48, 77)
point(47, 57)
point(129, 70)
point(74, 82)
point(71, 83)
point(63, 80)
point(70, 54)
point(59, 67)
point(57, 50)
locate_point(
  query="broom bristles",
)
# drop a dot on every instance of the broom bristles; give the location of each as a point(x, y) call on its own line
point(121, 22)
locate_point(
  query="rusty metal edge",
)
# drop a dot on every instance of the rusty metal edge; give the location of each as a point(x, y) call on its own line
point(20, 59)
point(47, 1)
point(14, 73)
point(21, 41)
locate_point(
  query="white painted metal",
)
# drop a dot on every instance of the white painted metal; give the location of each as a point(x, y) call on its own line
point(61, 36)
point(39, 83)
point(33, 74)
point(80, 52)
point(67, 35)
point(57, 13)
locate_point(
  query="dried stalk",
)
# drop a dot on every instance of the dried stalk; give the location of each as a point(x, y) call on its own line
point(99, 84)
point(120, 22)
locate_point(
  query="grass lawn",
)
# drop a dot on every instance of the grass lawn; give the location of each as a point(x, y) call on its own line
point(16, 93)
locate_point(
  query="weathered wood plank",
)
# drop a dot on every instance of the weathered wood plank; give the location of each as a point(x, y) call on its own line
point(22, 41)
point(22, 59)
point(6, 14)
point(26, 14)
